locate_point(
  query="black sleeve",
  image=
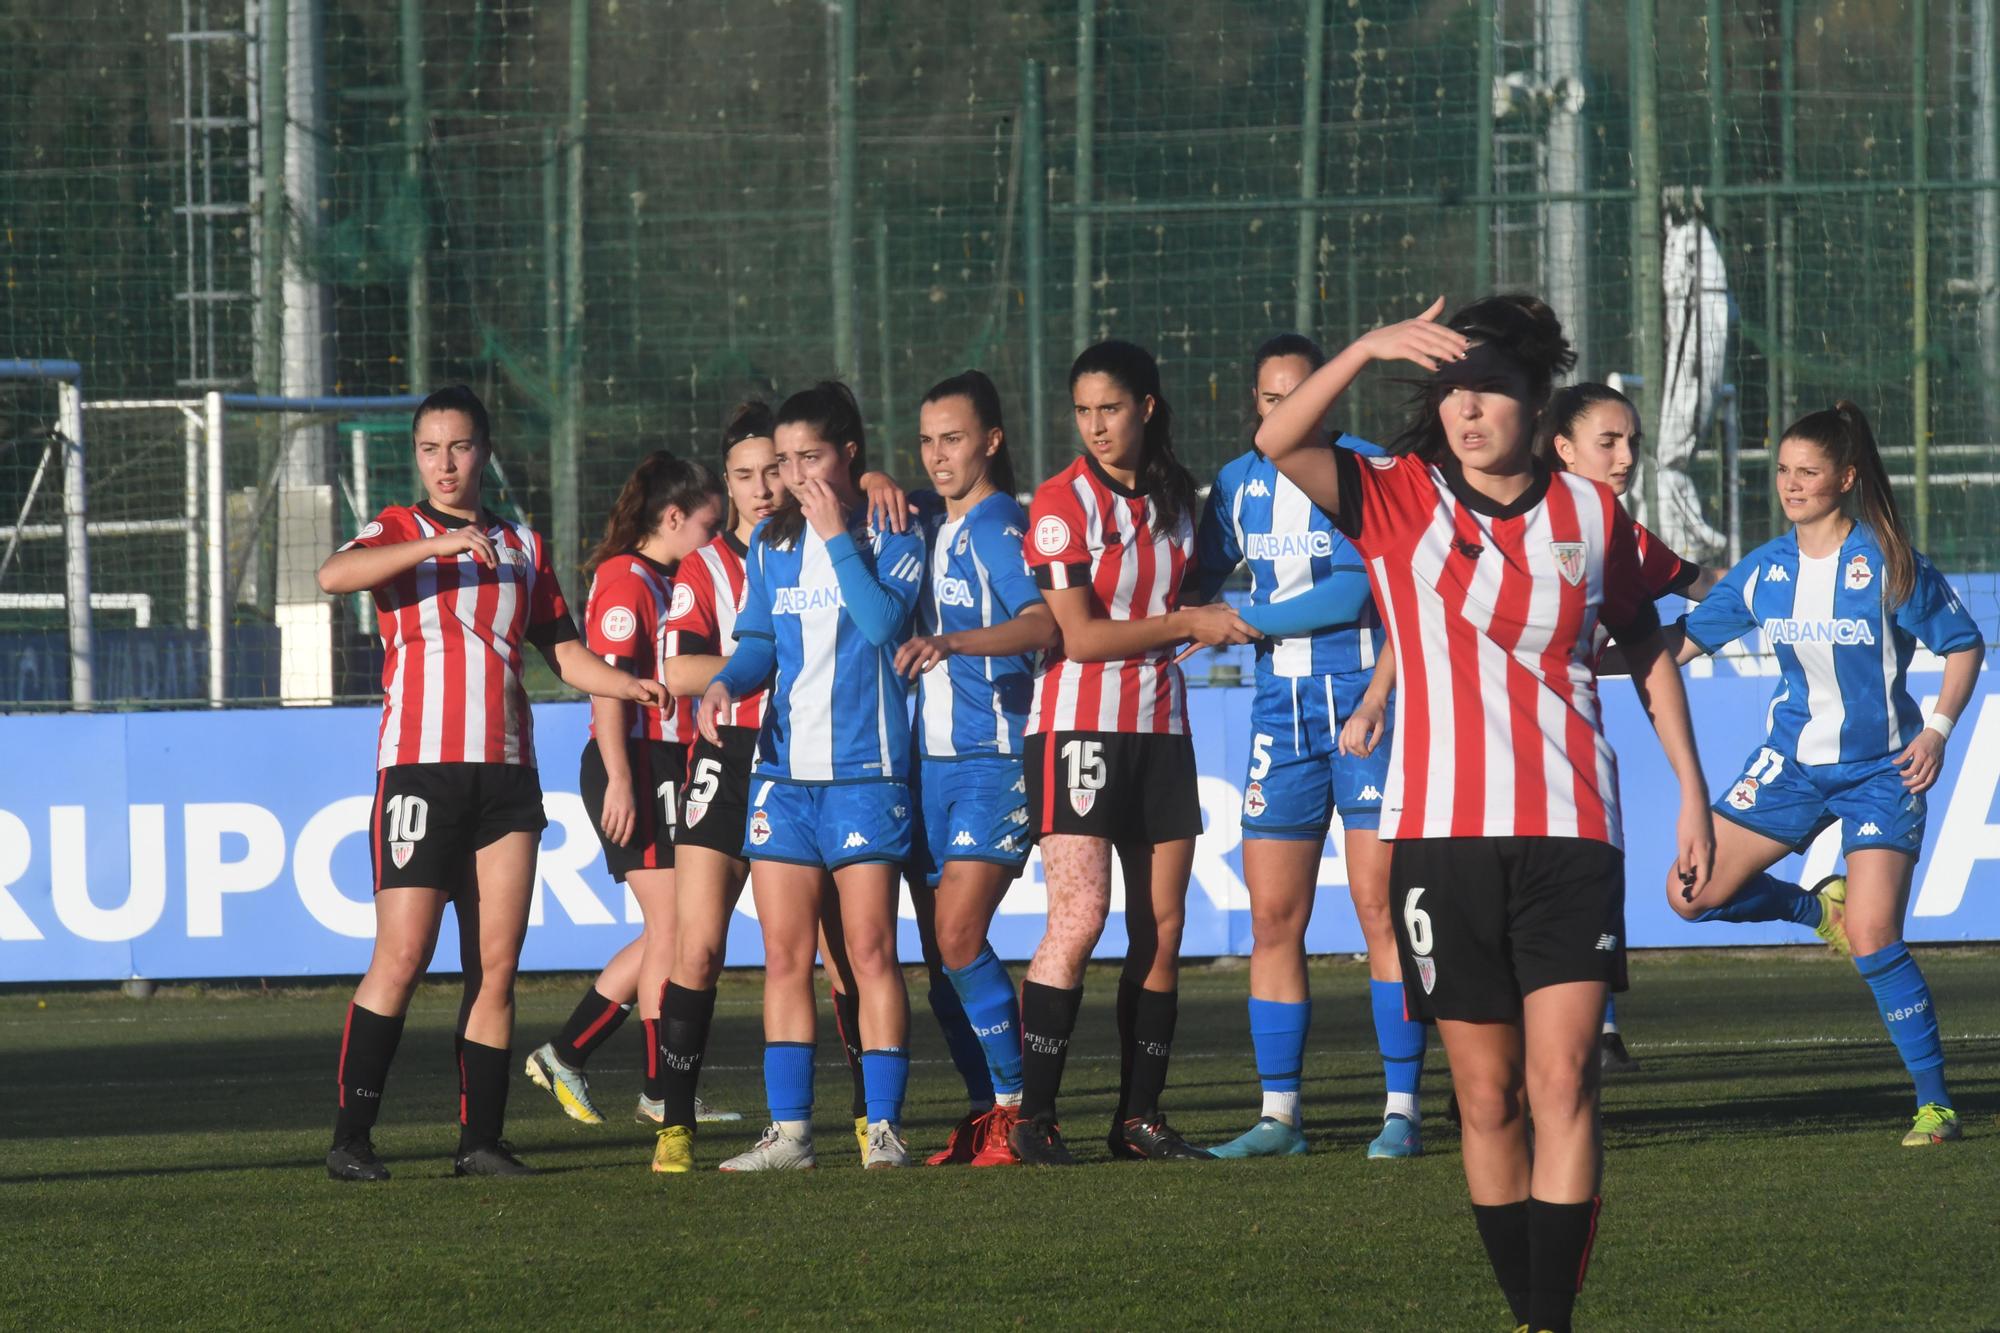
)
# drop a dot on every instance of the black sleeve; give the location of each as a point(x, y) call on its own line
point(1685, 579)
point(1348, 520)
point(552, 632)
point(1644, 621)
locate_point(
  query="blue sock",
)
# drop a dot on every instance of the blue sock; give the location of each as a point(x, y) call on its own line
point(1768, 898)
point(1610, 1014)
point(1905, 1001)
point(1278, 1037)
point(1400, 1040)
point(993, 1012)
point(886, 1074)
point(965, 1049)
point(788, 1079)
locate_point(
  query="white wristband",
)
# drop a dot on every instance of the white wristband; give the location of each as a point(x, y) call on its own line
point(1941, 724)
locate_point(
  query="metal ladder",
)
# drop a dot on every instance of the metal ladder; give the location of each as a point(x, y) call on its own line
point(217, 142)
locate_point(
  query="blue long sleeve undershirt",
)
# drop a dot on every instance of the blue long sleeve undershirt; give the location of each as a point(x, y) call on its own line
point(1330, 602)
point(875, 610)
point(749, 667)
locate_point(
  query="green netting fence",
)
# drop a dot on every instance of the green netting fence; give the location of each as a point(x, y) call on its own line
point(616, 218)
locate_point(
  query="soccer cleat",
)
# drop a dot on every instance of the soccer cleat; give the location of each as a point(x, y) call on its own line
point(355, 1160)
point(490, 1159)
point(1400, 1137)
point(861, 1134)
point(1156, 1141)
point(1039, 1142)
point(1120, 1150)
point(1269, 1137)
point(1934, 1124)
point(774, 1152)
point(568, 1086)
point(995, 1129)
point(963, 1143)
point(1612, 1057)
point(653, 1111)
point(704, 1114)
point(673, 1150)
point(886, 1147)
point(1832, 927)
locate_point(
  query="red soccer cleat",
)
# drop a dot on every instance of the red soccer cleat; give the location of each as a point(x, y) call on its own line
point(963, 1143)
point(995, 1127)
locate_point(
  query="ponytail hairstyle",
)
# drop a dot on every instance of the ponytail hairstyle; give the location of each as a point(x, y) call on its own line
point(1567, 406)
point(830, 410)
point(977, 389)
point(457, 398)
point(748, 420)
point(1161, 475)
point(1512, 332)
point(1842, 433)
point(660, 482)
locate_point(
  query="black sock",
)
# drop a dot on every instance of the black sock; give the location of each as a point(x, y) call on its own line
point(367, 1045)
point(1048, 1017)
point(847, 1021)
point(1153, 1017)
point(1504, 1229)
point(1128, 1014)
point(589, 1027)
point(482, 1093)
point(1561, 1234)
point(652, 1086)
point(685, 1016)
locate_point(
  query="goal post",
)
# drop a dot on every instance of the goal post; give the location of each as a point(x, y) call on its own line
point(67, 376)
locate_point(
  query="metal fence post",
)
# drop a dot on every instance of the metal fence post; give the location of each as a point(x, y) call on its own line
point(1086, 167)
point(218, 555)
point(1035, 221)
point(1647, 301)
point(1920, 264)
point(1305, 300)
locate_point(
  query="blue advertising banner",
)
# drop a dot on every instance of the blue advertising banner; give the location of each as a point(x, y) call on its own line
point(223, 844)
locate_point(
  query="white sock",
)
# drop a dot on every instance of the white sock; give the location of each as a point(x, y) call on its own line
point(1012, 1099)
point(1610, 1026)
point(800, 1130)
point(1282, 1106)
point(1403, 1104)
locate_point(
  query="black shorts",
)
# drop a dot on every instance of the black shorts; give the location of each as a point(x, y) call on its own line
point(715, 804)
point(1111, 784)
point(1480, 922)
point(657, 769)
point(430, 818)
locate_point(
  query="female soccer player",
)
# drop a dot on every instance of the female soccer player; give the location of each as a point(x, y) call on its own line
point(458, 805)
point(1308, 685)
point(827, 604)
point(1506, 878)
point(1110, 766)
point(1844, 601)
point(983, 621)
point(635, 762)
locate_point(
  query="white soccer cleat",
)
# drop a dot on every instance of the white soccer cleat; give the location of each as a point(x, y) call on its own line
point(885, 1147)
point(776, 1151)
point(653, 1111)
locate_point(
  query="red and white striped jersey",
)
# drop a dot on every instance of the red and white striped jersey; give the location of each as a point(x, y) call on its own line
point(1087, 531)
point(1661, 568)
point(622, 621)
point(452, 632)
point(1494, 612)
point(709, 587)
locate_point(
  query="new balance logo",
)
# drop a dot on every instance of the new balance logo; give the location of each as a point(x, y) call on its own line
point(1607, 943)
point(1368, 793)
point(964, 839)
point(1257, 488)
point(1871, 830)
point(854, 840)
point(1777, 574)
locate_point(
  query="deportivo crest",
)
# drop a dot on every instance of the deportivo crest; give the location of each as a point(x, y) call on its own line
point(1859, 575)
point(694, 810)
point(1051, 535)
point(400, 853)
point(1569, 561)
point(1081, 799)
point(619, 624)
point(1253, 800)
point(683, 602)
point(1427, 973)
point(1744, 794)
point(964, 542)
point(760, 828)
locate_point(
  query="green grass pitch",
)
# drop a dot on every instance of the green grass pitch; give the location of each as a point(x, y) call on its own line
point(160, 1164)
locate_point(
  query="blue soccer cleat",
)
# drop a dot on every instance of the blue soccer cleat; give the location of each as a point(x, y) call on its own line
point(1400, 1137)
point(1269, 1137)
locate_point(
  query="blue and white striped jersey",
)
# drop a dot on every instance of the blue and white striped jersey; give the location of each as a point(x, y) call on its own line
point(1255, 514)
point(979, 577)
point(837, 711)
point(1842, 655)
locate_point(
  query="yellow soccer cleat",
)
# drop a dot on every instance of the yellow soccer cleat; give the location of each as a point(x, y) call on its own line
point(1934, 1124)
point(547, 1072)
point(1832, 927)
point(673, 1150)
point(861, 1135)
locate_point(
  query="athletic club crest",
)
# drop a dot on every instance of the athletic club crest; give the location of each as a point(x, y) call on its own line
point(401, 852)
point(1859, 575)
point(760, 828)
point(694, 810)
point(1569, 561)
point(1743, 795)
point(1081, 799)
point(1427, 972)
point(1253, 800)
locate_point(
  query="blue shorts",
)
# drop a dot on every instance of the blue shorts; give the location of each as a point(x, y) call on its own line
point(1298, 778)
point(840, 824)
point(1793, 803)
point(974, 810)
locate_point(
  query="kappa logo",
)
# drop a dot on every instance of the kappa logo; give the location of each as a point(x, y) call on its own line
point(900, 812)
point(1258, 489)
point(1858, 574)
point(1021, 786)
point(964, 839)
point(1743, 795)
point(854, 840)
point(694, 810)
point(683, 602)
point(1018, 815)
point(1871, 830)
point(618, 624)
point(1607, 943)
point(1253, 800)
point(1369, 793)
point(401, 852)
point(1081, 799)
point(1009, 844)
point(1427, 970)
point(1777, 574)
point(760, 827)
point(1569, 561)
point(1051, 535)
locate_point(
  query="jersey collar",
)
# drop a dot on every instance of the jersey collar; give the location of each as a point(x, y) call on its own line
point(1105, 480)
point(448, 521)
point(1454, 477)
point(736, 544)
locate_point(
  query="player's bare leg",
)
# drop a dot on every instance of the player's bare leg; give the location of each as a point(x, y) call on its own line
point(976, 1005)
point(1282, 875)
point(1077, 873)
point(492, 923)
point(406, 931)
point(654, 890)
point(788, 901)
point(1156, 882)
point(556, 1066)
point(1878, 896)
point(845, 998)
point(867, 895)
point(1742, 889)
point(1400, 1040)
point(1488, 1076)
point(707, 884)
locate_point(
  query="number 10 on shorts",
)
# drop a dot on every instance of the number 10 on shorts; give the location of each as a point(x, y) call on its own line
point(404, 821)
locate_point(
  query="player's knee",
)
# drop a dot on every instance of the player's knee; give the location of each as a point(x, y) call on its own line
point(1489, 1108)
point(959, 940)
point(1277, 925)
point(696, 966)
point(399, 963)
point(1563, 1084)
point(1866, 937)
